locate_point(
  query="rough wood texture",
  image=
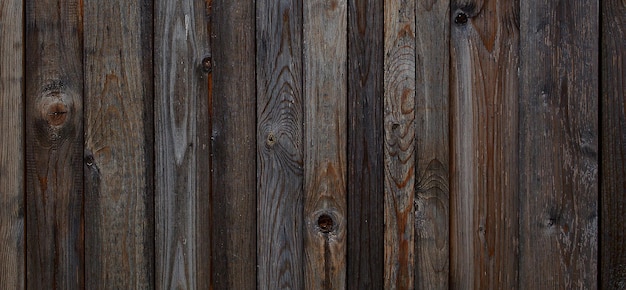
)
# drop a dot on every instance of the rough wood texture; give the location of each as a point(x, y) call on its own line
point(54, 145)
point(613, 171)
point(182, 145)
point(433, 156)
point(365, 139)
point(234, 144)
point(119, 237)
point(12, 269)
point(399, 148)
point(280, 156)
point(558, 159)
point(484, 104)
point(325, 94)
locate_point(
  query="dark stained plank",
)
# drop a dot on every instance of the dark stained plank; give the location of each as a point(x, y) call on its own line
point(234, 144)
point(119, 235)
point(54, 145)
point(399, 147)
point(325, 167)
point(365, 141)
point(613, 177)
point(12, 150)
point(432, 147)
point(484, 104)
point(280, 157)
point(182, 146)
point(558, 160)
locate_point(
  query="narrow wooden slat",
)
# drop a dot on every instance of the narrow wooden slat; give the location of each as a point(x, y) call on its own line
point(54, 145)
point(365, 141)
point(234, 147)
point(119, 237)
point(484, 105)
point(613, 177)
point(399, 147)
point(280, 157)
point(12, 150)
point(325, 94)
point(558, 159)
point(181, 43)
point(432, 177)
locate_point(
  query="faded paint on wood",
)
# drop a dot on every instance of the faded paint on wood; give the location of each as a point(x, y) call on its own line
point(558, 158)
point(484, 125)
point(12, 269)
point(54, 145)
point(119, 235)
point(182, 145)
point(399, 147)
point(432, 202)
point(325, 167)
point(280, 156)
point(613, 171)
point(365, 206)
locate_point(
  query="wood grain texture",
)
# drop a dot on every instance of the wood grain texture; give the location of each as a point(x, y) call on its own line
point(119, 235)
point(484, 105)
point(399, 147)
point(325, 167)
point(365, 218)
point(12, 269)
point(234, 144)
point(432, 113)
point(613, 171)
point(280, 156)
point(182, 146)
point(54, 145)
point(558, 159)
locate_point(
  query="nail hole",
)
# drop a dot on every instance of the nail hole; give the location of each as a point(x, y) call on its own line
point(326, 223)
point(461, 18)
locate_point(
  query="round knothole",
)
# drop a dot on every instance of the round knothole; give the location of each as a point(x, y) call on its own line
point(461, 18)
point(325, 223)
point(207, 64)
point(271, 139)
point(89, 160)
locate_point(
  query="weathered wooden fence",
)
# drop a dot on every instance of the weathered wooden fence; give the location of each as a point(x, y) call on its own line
point(312, 144)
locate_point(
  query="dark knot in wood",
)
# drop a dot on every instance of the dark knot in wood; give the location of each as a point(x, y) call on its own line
point(461, 18)
point(207, 64)
point(325, 223)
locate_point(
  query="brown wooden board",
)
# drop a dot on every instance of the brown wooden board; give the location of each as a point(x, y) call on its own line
point(558, 158)
point(365, 141)
point(280, 156)
point(182, 145)
point(12, 149)
point(119, 235)
point(54, 145)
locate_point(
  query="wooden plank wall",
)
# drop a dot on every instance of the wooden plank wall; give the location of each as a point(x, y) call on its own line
point(325, 144)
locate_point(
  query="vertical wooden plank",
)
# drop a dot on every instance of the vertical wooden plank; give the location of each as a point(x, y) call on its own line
point(181, 43)
point(559, 144)
point(399, 148)
point(365, 141)
point(613, 177)
point(234, 147)
point(432, 178)
point(484, 98)
point(12, 150)
point(54, 145)
point(119, 235)
point(280, 157)
point(325, 94)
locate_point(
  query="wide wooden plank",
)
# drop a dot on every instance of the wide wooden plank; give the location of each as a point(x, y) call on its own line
point(433, 150)
point(399, 147)
point(613, 177)
point(280, 157)
point(119, 235)
point(365, 140)
point(12, 150)
point(484, 104)
point(182, 146)
point(558, 160)
point(234, 144)
point(325, 167)
point(54, 145)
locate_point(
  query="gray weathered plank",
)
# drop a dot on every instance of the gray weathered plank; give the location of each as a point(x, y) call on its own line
point(558, 159)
